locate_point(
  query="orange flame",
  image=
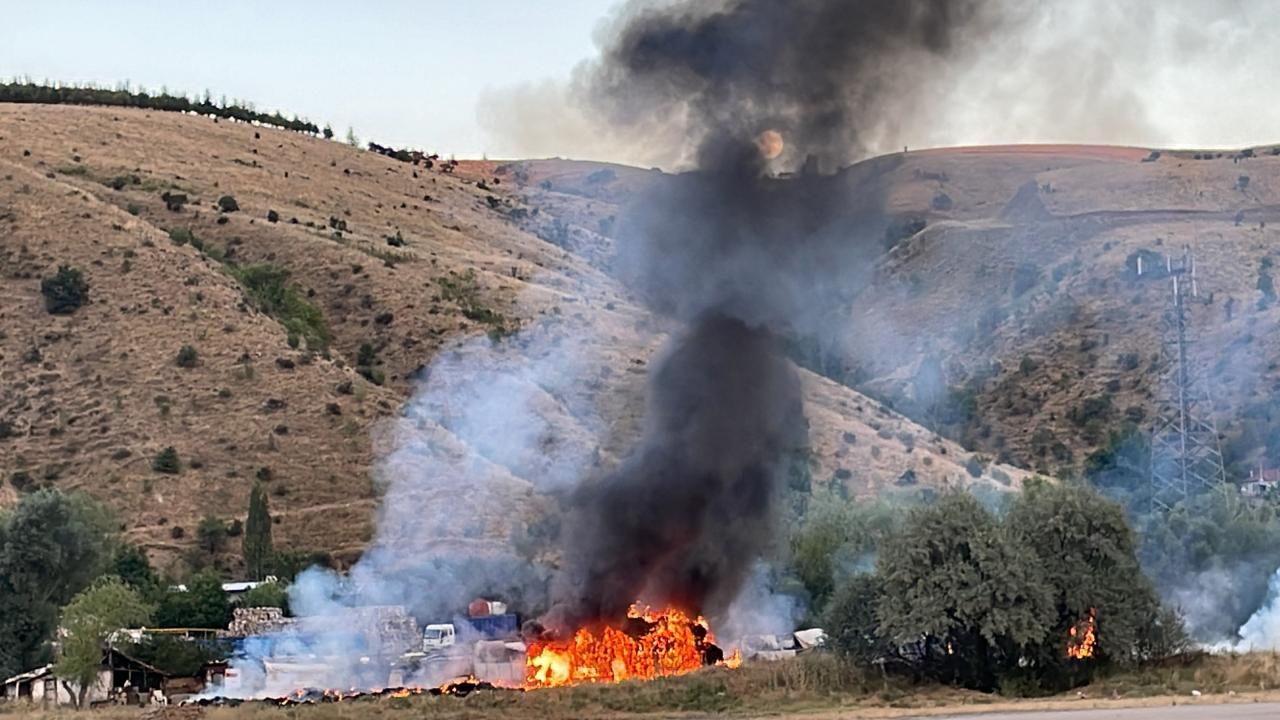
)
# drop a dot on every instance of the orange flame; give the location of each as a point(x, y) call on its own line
point(672, 644)
point(1083, 637)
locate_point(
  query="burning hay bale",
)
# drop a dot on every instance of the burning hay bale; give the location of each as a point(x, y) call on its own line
point(650, 644)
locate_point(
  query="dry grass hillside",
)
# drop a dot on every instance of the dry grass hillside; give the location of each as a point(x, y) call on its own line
point(1011, 316)
point(376, 264)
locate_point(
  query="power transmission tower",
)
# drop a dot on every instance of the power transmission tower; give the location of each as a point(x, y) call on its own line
point(1186, 457)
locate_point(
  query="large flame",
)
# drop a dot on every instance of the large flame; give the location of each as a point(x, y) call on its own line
point(1082, 637)
point(652, 644)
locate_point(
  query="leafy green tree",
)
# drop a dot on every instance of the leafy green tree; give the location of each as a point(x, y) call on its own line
point(52, 545)
point(211, 534)
point(1089, 563)
point(103, 608)
point(851, 621)
point(833, 537)
point(271, 594)
point(352, 139)
point(956, 589)
point(65, 291)
point(1212, 533)
point(256, 545)
point(130, 564)
point(175, 655)
point(202, 605)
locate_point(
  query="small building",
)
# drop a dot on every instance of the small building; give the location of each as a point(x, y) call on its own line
point(37, 686)
point(120, 679)
point(42, 688)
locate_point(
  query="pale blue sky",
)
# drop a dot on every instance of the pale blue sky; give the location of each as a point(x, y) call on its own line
point(399, 71)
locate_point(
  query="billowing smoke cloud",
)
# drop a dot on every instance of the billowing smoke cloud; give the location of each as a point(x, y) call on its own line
point(743, 260)
point(1085, 72)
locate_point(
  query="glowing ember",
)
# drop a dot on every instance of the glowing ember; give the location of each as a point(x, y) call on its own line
point(650, 645)
point(1083, 637)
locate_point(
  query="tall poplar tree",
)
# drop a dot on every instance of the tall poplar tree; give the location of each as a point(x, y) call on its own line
point(256, 547)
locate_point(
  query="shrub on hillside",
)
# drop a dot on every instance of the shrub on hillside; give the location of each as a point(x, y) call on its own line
point(1096, 407)
point(166, 461)
point(211, 534)
point(174, 202)
point(228, 204)
point(180, 236)
point(267, 285)
point(187, 357)
point(65, 291)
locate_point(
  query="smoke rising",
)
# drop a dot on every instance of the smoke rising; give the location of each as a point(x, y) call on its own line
point(1262, 630)
point(743, 260)
point(1195, 74)
point(467, 465)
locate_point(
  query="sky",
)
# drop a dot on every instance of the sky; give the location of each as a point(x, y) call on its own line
point(402, 72)
point(493, 77)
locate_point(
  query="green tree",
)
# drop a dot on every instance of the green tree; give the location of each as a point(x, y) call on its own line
point(52, 545)
point(130, 564)
point(270, 594)
point(176, 655)
point(166, 461)
point(1089, 564)
point(202, 605)
point(211, 534)
point(65, 291)
point(955, 588)
point(105, 607)
point(851, 621)
point(833, 537)
point(352, 140)
point(256, 544)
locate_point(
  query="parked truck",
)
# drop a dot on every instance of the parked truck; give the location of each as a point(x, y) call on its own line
point(438, 637)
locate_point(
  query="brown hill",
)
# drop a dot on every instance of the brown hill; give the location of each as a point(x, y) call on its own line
point(1016, 283)
point(295, 382)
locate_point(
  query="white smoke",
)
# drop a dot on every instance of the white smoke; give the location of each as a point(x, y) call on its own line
point(1262, 631)
point(490, 427)
point(758, 610)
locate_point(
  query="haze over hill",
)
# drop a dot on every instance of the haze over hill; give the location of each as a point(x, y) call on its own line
point(1007, 308)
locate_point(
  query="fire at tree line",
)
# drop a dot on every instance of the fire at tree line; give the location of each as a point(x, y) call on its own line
point(1035, 593)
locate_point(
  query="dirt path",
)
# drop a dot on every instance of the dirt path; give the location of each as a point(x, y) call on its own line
point(1181, 712)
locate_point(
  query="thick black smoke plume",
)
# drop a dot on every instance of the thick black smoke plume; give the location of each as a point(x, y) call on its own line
point(743, 260)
